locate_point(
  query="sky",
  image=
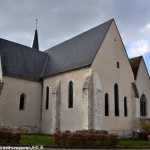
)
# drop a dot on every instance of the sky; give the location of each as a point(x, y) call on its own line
point(59, 20)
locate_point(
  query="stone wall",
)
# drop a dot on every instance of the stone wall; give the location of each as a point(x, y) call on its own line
point(143, 85)
point(10, 115)
point(105, 64)
point(76, 118)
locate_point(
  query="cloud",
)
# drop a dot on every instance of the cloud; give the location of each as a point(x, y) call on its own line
point(145, 31)
point(59, 20)
point(138, 48)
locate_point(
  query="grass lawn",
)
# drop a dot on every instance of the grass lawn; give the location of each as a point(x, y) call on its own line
point(47, 140)
point(37, 139)
point(133, 143)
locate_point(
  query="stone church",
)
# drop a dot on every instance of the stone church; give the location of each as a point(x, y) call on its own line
point(86, 82)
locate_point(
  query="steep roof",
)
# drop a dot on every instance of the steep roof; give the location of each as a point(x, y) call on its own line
point(24, 62)
point(77, 52)
point(35, 43)
point(135, 63)
point(21, 61)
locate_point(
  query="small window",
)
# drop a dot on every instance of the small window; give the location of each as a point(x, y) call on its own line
point(22, 102)
point(70, 95)
point(106, 104)
point(118, 65)
point(125, 107)
point(47, 98)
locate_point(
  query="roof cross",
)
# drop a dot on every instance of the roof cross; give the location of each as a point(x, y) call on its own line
point(36, 22)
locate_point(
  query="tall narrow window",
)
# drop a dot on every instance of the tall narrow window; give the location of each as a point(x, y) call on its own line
point(22, 102)
point(70, 95)
point(47, 98)
point(106, 104)
point(116, 99)
point(125, 107)
point(118, 65)
point(143, 105)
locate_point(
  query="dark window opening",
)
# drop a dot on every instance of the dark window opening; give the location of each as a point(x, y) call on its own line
point(47, 98)
point(125, 107)
point(22, 102)
point(106, 104)
point(143, 105)
point(70, 95)
point(118, 65)
point(116, 99)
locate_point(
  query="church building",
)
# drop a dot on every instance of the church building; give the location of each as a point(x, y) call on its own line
point(86, 82)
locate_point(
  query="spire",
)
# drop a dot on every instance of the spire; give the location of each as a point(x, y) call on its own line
point(35, 43)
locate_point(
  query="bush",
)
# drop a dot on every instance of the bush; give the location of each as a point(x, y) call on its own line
point(7, 136)
point(141, 135)
point(86, 138)
point(144, 124)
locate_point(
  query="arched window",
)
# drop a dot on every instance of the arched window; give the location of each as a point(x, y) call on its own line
point(106, 104)
point(125, 107)
point(70, 94)
point(22, 102)
point(143, 105)
point(116, 99)
point(47, 98)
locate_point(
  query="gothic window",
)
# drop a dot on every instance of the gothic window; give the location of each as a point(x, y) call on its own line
point(70, 94)
point(106, 104)
point(143, 103)
point(116, 99)
point(125, 107)
point(47, 98)
point(22, 102)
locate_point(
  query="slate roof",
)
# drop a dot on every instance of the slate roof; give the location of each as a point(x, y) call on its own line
point(77, 52)
point(24, 62)
point(135, 63)
point(21, 61)
point(35, 41)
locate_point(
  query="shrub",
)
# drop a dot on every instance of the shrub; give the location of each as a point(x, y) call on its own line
point(144, 124)
point(7, 136)
point(143, 135)
point(86, 138)
point(113, 140)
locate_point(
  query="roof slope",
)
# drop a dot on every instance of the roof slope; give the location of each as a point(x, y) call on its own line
point(21, 61)
point(77, 52)
point(135, 63)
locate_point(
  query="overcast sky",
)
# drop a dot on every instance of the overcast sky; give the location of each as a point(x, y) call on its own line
point(59, 20)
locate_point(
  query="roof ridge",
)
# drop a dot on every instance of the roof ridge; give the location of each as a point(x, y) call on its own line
point(65, 56)
point(44, 66)
point(79, 34)
point(17, 43)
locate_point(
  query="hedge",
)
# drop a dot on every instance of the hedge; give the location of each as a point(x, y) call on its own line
point(86, 138)
point(7, 136)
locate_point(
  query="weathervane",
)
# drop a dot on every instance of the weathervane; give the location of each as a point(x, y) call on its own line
point(36, 22)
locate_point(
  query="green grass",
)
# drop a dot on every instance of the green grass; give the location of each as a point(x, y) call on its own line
point(47, 140)
point(133, 143)
point(37, 139)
